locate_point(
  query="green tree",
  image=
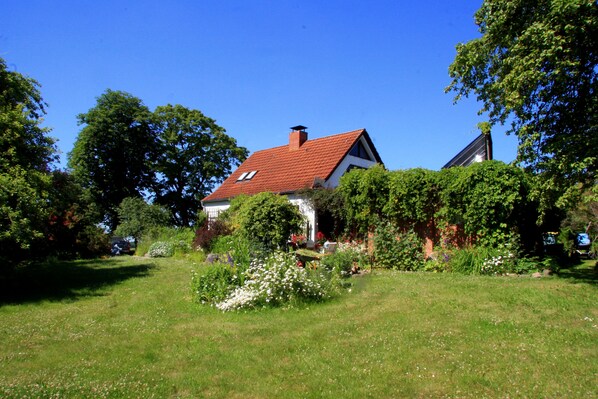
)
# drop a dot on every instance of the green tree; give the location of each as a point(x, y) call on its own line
point(137, 217)
point(26, 154)
point(269, 219)
point(194, 156)
point(113, 153)
point(535, 66)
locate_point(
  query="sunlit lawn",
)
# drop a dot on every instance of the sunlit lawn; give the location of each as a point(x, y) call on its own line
point(126, 327)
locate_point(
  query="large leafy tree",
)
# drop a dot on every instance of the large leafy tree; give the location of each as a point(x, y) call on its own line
point(112, 156)
point(195, 154)
point(535, 67)
point(26, 153)
point(137, 217)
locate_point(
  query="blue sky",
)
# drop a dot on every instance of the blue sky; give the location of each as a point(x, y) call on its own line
point(259, 67)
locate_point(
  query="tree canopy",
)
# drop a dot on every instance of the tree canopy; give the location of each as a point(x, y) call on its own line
point(194, 156)
point(535, 67)
point(112, 154)
point(26, 153)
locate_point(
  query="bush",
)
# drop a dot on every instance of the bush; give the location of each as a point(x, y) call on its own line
point(268, 218)
point(214, 283)
point(208, 232)
point(277, 280)
point(240, 249)
point(161, 249)
point(396, 250)
point(180, 239)
point(339, 262)
point(347, 255)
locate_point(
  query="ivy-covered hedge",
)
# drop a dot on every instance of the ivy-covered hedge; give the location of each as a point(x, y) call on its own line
point(489, 201)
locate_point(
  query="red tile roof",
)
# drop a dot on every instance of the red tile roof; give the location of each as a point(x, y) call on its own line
point(280, 170)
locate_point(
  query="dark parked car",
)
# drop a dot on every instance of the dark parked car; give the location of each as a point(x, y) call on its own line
point(120, 246)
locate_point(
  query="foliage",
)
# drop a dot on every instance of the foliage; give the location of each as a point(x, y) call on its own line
point(161, 249)
point(397, 250)
point(239, 248)
point(583, 216)
point(112, 153)
point(277, 281)
point(535, 66)
point(330, 205)
point(93, 242)
point(366, 193)
point(70, 230)
point(269, 219)
point(26, 153)
point(489, 199)
point(208, 232)
point(194, 156)
point(482, 259)
point(214, 282)
point(137, 217)
point(23, 142)
point(180, 239)
point(413, 197)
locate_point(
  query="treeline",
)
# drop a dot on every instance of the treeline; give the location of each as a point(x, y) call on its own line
point(170, 157)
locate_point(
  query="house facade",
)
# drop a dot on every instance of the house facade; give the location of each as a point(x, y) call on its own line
point(299, 165)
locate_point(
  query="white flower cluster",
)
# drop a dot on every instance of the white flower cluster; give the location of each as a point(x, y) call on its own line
point(354, 246)
point(497, 264)
point(275, 280)
point(161, 249)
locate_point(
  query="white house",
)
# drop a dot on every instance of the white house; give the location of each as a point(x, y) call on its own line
point(291, 168)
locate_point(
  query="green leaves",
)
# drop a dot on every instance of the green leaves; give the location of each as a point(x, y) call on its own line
point(175, 154)
point(535, 67)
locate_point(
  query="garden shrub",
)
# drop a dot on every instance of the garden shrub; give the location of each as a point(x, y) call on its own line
point(208, 232)
point(339, 262)
point(161, 249)
point(347, 255)
point(439, 261)
point(214, 282)
point(397, 250)
point(179, 237)
point(269, 219)
point(277, 280)
point(239, 248)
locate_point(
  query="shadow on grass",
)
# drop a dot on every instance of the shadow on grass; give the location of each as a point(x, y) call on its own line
point(66, 280)
point(586, 272)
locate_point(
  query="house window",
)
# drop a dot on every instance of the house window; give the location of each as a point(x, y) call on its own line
point(359, 151)
point(246, 176)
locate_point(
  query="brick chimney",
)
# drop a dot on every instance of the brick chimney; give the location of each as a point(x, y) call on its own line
point(297, 137)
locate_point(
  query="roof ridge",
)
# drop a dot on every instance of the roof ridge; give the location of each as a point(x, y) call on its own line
point(312, 140)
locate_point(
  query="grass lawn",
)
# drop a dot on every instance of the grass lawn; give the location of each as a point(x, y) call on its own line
point(126, 327)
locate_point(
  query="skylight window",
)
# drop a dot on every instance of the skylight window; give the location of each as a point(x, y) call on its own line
point(250, 175)
point(247, 176)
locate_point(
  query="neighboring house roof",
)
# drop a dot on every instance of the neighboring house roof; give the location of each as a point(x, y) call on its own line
point(478, 150)
point(286, 169)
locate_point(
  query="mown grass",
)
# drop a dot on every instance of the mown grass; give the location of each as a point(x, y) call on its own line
point(127, 328)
